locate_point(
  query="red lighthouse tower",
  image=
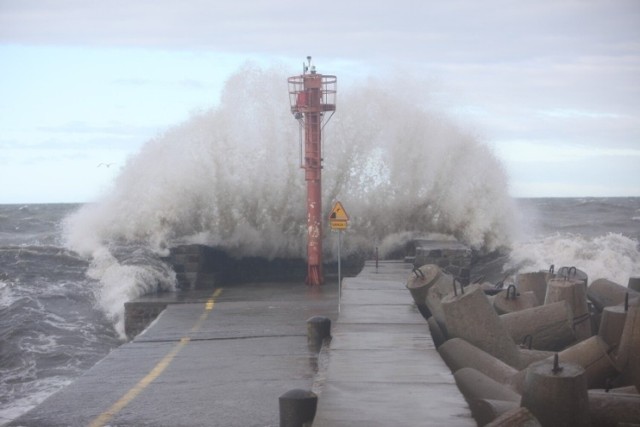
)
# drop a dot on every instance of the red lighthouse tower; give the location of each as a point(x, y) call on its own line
point(313, 102)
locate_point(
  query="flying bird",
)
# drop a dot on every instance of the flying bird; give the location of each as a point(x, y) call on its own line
point(105, 164)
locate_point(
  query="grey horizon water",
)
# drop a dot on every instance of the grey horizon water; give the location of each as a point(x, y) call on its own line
point(230, 177)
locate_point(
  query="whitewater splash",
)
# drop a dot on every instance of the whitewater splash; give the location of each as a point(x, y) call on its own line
point(230, 177)
point(611, 256)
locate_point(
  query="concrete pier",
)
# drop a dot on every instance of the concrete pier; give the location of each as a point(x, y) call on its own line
point(225, 356)
point(216, 357)
point(383, 368)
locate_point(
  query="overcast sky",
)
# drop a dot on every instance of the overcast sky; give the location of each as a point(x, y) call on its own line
point(552, 85)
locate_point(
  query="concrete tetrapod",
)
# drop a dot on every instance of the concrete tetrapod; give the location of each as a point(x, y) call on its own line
point(575, 294)
point(591, 354)
point(419, 282)
point(520, 417)
point(529, 357)
point(613, 409)
point(628, 354)
point(509, 300)
point(549, 326)
point(485, 411)
point(605, 293)
point(535, 282)
point(612, 324)
point(475, 385)
point(458, 353)
point(470, 316)
point(441, 287)
point(574, 274)
point(557, 395)
point(486, 397)
point(437, 335)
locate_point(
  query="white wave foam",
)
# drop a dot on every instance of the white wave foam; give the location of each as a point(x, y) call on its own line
point(38, 391)
point(121, 283)
point(230, 177)
point(612, 256)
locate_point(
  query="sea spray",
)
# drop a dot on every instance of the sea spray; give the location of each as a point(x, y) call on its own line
point(230, 177)
point(596, 235)
point(401, 168)
point(138, 271)
point(612, 256)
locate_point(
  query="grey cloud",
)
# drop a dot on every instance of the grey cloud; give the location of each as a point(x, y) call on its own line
point(518, 61)
point(455, 30)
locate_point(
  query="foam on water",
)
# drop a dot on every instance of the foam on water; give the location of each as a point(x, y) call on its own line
point(49, 328)
point(125, 279)
point(38, 391)
point(231, 177)
point(611, 256)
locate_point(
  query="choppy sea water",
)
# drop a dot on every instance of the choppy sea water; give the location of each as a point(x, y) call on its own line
point(50, 328)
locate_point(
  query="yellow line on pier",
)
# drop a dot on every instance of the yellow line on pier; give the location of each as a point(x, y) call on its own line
point(157, 370)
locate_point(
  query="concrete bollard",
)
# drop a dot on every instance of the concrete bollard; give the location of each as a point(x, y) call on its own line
point(605, 293)
point(297, 408)
point(613, 409)
point(318, 328)
point(634, 284)
point(575, 294)
point(557, 394)
point(470, 316)
point(515, 417)
point(535, 282)
point(509, 300)
point(549, 326)
point(473, 384)
point(419, 282)
point(628, 354)
point(612, 324)
point(458, 353)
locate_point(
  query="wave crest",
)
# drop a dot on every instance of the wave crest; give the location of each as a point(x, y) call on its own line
point(230, 177)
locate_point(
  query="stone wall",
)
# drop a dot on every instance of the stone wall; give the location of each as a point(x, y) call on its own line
point(453, 257)
point(139, 314)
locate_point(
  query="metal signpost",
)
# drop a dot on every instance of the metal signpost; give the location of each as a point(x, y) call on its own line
point(338, 221)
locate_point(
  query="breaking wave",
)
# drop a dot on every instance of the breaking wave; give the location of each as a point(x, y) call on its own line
point(230, 177)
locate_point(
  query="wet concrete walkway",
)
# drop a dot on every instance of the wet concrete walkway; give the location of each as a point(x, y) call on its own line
point(222, 357)
point(218, 357)
point(383, 368)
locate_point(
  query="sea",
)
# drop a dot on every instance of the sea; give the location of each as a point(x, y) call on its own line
point(230, 177)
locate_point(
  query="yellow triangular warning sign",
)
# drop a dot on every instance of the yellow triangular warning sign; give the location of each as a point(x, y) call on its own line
point(338, 213)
